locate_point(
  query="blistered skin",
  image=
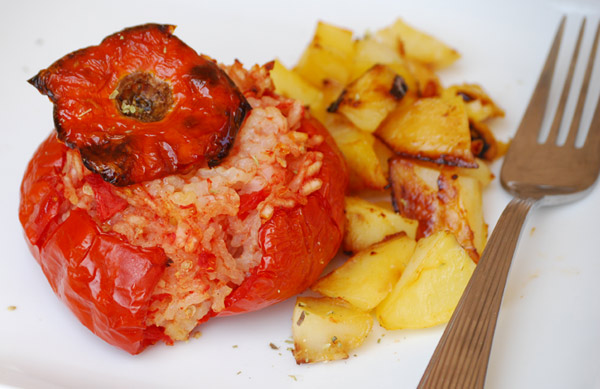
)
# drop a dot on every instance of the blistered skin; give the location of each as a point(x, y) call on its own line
point(108, 282)
point(143, 105)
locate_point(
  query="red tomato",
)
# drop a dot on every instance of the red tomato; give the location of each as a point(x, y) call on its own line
point(143, 105)
point(108, 282)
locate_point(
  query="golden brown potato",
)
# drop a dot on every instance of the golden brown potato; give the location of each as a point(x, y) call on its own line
point(470, 197)
point(417, 45)
point(432, 129)
point(440, 199)
point(328, 56)
point(367, 277)
point(478, 103)
point(383, 154)
point(427, 82)
point(369, 52)
point(368, 100)
point(290, 84)
point(482, 173)
point(430, 287)
point(331, 90)
point(326, 329)
point(367, 223)
point(365, 168)
point(336, 39)
point(483, 141)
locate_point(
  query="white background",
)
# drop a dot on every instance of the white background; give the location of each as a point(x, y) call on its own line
point(548, 333)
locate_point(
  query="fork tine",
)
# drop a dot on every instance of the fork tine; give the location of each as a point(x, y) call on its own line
point(582, 96)
point(534, 115)
point(560, 109)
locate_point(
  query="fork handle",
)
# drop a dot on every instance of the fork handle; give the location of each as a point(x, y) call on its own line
point(461, 357)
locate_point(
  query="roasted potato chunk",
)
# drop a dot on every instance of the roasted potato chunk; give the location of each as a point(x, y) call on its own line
point(479, 105)
point(430, 287)
point(367, 223)
point(471, 200)
point(365, 167)
point(367, 277)
point(326, 329)
point(481, 173)
point(440, 199)
point(426, 80)
point(331, 90)
point(370, 98)
point(290, 84)
point(328, 56)
point(369, 52)
point(383, 154)
point(432, 129)
point(483, 142)
point(417, 45)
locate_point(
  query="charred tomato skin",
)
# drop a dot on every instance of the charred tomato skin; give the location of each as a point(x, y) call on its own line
point(108, 283)
point(143, 105)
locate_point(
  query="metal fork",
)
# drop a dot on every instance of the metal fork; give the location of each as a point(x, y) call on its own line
point(535, 173)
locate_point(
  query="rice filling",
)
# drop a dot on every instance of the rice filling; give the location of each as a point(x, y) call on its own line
point(207, 221)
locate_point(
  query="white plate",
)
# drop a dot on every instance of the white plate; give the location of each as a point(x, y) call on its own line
point(547, 335)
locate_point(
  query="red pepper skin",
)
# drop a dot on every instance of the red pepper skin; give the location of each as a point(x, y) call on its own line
point(143, 105)
point(107, 282)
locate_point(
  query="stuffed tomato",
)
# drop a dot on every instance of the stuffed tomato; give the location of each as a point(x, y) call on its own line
point(218, 199)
